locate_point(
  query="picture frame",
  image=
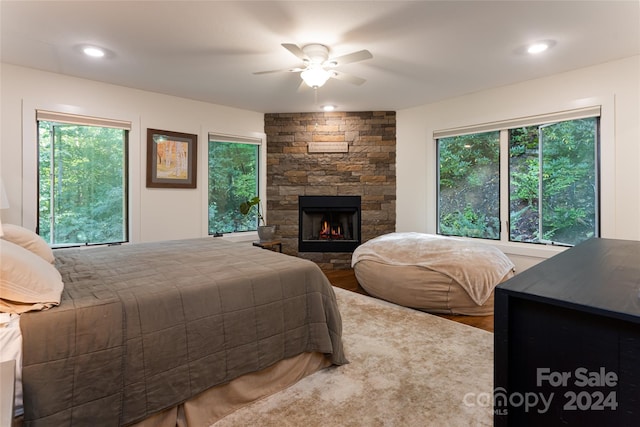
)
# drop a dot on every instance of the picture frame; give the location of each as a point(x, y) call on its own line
point(171, 159)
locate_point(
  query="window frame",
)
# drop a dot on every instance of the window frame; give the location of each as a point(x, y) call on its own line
point(503, 127)
point(73, 119)
point(29, 173)
point(257, 140)
point(500, 175)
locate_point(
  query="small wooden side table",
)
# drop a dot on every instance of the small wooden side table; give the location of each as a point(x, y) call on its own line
point(274, 245)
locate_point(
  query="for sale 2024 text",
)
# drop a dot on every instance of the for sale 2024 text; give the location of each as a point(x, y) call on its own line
point(583, 400)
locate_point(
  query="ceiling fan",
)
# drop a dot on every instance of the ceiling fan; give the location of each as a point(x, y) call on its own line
point(318, 67)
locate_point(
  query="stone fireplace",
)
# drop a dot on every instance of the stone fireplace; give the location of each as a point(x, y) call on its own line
point(328, 223)
point(364, 167)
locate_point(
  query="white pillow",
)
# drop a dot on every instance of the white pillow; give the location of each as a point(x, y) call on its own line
point(29, 240)
point(27, 282)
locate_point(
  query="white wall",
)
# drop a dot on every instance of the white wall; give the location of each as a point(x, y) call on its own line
point(159, 214)
point(614, 85)
point(156, 214)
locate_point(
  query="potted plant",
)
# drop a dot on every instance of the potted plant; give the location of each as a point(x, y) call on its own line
point(265, 232)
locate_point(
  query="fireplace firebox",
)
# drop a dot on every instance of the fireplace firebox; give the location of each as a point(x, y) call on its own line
point(329, 223)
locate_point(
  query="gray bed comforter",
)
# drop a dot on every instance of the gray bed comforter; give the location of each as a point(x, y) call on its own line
point(144, 327)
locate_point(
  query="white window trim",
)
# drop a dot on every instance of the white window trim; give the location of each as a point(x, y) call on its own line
point(560, 116)
point(253, 138)
point(29, 200)
point(76, 119)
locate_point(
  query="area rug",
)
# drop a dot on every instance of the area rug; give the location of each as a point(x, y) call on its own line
point(407, 368)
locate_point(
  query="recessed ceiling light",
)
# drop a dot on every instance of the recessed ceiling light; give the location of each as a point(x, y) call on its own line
point(93, 51)
point(537, 48)
point(540, 46)
point(329, 107)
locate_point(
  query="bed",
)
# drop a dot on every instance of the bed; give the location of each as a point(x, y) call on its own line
point(433, 273)
point(173, 333)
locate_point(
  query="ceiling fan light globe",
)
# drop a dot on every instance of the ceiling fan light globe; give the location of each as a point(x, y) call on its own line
point(315, 77)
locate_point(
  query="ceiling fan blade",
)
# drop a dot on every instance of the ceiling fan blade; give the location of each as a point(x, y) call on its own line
point(269, 72)
point(293, 48)
point(283, 70)
point(360, 55)
point(347, 78)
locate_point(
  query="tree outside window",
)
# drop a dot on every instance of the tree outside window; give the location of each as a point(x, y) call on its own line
point(469, 185)
point(233, 179)
point(82, 184)
point(554, 182)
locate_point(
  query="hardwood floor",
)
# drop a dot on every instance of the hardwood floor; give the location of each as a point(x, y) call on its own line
point(346, 279)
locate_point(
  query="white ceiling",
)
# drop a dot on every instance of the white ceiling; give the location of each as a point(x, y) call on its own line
point(423, 51)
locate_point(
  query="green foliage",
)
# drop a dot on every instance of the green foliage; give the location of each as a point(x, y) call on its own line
point(248, 206)
point(569, 182)
point(469, 184)
point(470, 223)
point(233, 179)
point(460, 156)
point(82, 184)
point(525, 185)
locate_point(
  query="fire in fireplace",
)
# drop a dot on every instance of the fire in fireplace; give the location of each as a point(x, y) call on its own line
point(328, 223)
point(328, 231)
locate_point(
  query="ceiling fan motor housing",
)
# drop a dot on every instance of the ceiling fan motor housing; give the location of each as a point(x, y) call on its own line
point(317, 53)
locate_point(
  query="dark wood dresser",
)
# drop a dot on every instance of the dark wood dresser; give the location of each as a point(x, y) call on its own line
point(567, 339)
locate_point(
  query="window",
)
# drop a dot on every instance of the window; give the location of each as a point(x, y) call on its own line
point(82, 179)
point(469, 185)
point(553, 182)
point(552, 194)
point(233, 179)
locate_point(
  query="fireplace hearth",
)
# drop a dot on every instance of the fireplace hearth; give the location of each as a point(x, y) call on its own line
point(329, 223)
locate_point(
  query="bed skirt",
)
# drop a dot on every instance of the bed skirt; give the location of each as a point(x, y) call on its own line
point(212, 405)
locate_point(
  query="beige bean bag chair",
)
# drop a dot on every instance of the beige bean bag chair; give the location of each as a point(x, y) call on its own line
point(432, 273)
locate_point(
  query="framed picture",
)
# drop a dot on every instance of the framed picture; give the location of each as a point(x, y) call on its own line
point(171, 159)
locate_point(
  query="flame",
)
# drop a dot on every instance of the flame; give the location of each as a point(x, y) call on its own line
point(328, 232)
point(325, 228)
